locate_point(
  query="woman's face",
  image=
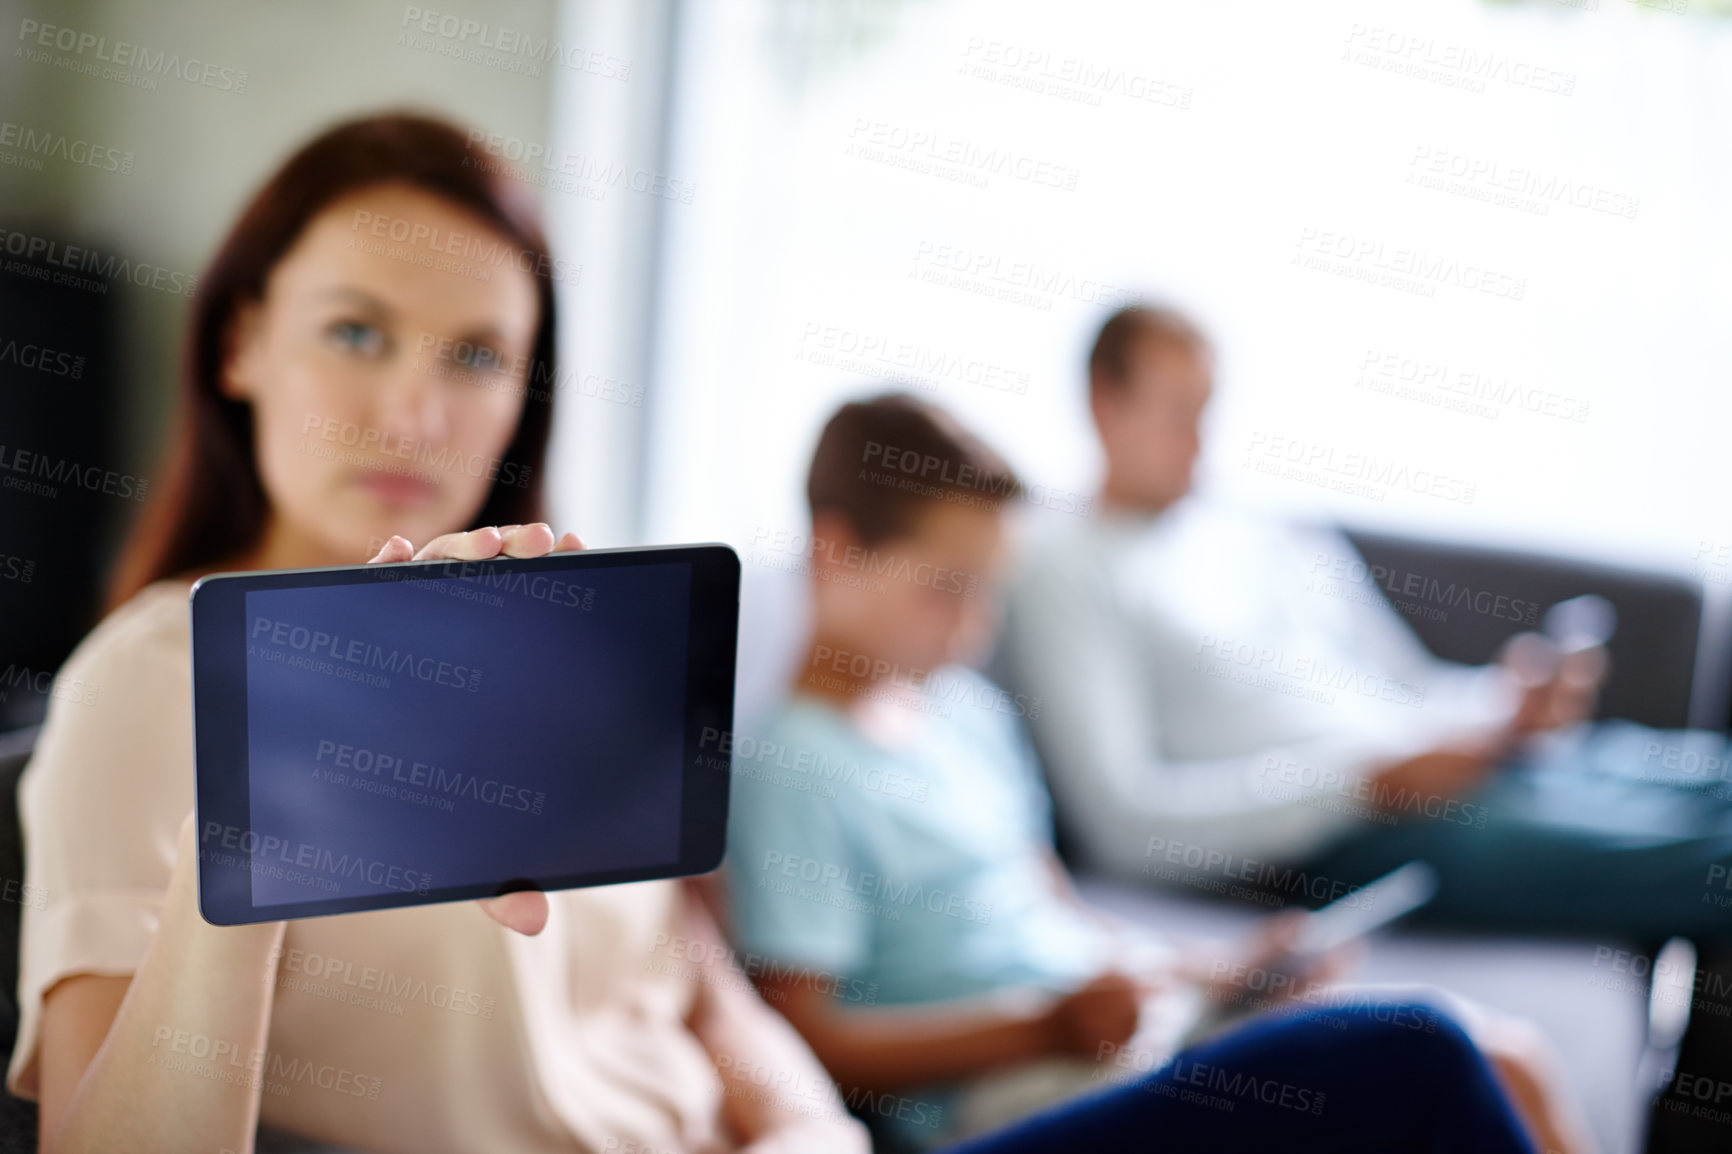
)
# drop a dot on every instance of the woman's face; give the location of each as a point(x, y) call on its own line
point(385, 383)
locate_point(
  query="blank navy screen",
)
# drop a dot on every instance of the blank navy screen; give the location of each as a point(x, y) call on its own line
point(426, 732)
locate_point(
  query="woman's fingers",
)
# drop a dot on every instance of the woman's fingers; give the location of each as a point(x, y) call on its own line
point(532, 540)
point(396, 549)
point(475, 545)
point(527, 540)
point(525, 911)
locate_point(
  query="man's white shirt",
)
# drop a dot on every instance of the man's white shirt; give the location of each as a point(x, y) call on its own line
point(1215, 684)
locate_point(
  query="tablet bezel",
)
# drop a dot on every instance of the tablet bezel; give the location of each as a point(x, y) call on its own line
point(222, 776)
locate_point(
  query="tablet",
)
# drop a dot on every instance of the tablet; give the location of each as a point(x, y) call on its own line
point(372, 736)
point(1374, 905)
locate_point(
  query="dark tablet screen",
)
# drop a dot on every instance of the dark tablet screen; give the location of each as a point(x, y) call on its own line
point(445, 730)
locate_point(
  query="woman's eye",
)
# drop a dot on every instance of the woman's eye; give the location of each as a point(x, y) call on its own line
point(358, 337)
point(479, 359)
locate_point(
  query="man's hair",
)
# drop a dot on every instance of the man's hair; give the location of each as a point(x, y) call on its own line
point(879, 462)
point(1110, 359)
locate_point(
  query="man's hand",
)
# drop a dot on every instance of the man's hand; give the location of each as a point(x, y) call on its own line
point(1443, 773)
point(1103, 1010)
point(526, 912)
point(1558, 689)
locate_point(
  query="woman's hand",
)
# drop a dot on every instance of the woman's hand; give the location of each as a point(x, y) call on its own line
point(842, 1135)
point(526, 911)
point(183, 898)
point(105, 1083)
point(535, 540)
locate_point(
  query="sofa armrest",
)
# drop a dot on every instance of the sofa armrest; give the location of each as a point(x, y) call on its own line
point(17, 1117)
point(1437, 587)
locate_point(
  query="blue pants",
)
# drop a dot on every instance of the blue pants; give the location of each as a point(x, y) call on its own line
point(1339, 1080)
point(1614, 830)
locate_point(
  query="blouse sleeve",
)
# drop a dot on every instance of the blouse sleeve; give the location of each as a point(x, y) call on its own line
point(101, 803)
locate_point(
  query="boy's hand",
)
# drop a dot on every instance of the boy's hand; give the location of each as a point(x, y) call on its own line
point(1274, 950)
point(1103, 1010)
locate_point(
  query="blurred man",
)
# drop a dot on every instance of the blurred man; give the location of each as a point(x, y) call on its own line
point(1218, 710)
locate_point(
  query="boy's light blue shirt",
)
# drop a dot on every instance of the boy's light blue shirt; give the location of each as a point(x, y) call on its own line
point(909, 874)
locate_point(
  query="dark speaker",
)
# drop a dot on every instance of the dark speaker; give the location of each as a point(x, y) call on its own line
point(65, 495)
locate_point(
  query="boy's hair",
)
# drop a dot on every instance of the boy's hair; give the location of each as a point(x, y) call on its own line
point(1110, 359)
point(879, 462)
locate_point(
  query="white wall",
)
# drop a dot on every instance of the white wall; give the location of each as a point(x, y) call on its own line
point(1285, 137)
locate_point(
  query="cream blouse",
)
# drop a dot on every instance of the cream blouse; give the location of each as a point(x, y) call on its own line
point(424, 1029)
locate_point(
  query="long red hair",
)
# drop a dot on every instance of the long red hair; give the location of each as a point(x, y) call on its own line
point(211, 504)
